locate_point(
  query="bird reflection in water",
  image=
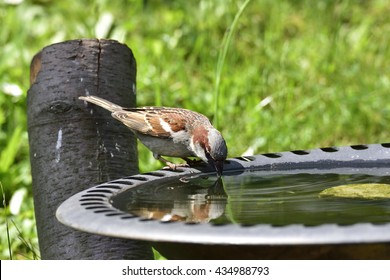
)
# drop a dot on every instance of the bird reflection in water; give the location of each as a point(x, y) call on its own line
point(191, 204)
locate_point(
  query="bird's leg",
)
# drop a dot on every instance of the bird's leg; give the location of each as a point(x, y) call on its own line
point(170, 165)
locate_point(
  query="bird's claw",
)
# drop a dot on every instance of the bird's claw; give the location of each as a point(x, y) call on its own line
point(175, 166)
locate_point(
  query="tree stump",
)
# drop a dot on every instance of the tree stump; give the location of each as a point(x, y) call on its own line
point(74, 146)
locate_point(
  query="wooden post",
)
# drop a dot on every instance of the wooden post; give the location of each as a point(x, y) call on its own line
point(73, 147)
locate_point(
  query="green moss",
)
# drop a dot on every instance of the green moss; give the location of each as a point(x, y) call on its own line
point(358, 191)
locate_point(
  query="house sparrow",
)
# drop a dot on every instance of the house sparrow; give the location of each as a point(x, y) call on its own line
point(172, 132)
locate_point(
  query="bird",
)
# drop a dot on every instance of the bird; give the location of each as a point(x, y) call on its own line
point(172, 132)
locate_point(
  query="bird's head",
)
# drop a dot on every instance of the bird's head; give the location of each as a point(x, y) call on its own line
point(208, 144)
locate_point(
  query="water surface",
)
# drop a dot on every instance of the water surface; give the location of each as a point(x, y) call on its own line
point(255, 198)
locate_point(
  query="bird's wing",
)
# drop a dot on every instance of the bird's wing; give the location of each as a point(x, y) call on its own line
point(153, 121)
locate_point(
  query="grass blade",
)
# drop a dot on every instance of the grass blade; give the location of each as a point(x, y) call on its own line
point(6, 222)
point(221, 59)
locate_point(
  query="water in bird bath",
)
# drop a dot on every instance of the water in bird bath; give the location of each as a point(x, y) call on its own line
point(256, 198)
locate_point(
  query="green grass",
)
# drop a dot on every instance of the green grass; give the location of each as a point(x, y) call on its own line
point(297, 74)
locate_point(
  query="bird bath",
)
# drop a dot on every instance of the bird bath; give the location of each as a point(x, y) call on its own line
point(267, 206)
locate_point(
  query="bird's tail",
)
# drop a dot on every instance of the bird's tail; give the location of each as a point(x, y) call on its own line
point(101, 102)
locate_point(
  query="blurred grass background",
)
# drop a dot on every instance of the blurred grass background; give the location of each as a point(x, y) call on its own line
point(298, 74)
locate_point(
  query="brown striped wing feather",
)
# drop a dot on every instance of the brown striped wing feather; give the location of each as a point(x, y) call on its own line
point(149, 120)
